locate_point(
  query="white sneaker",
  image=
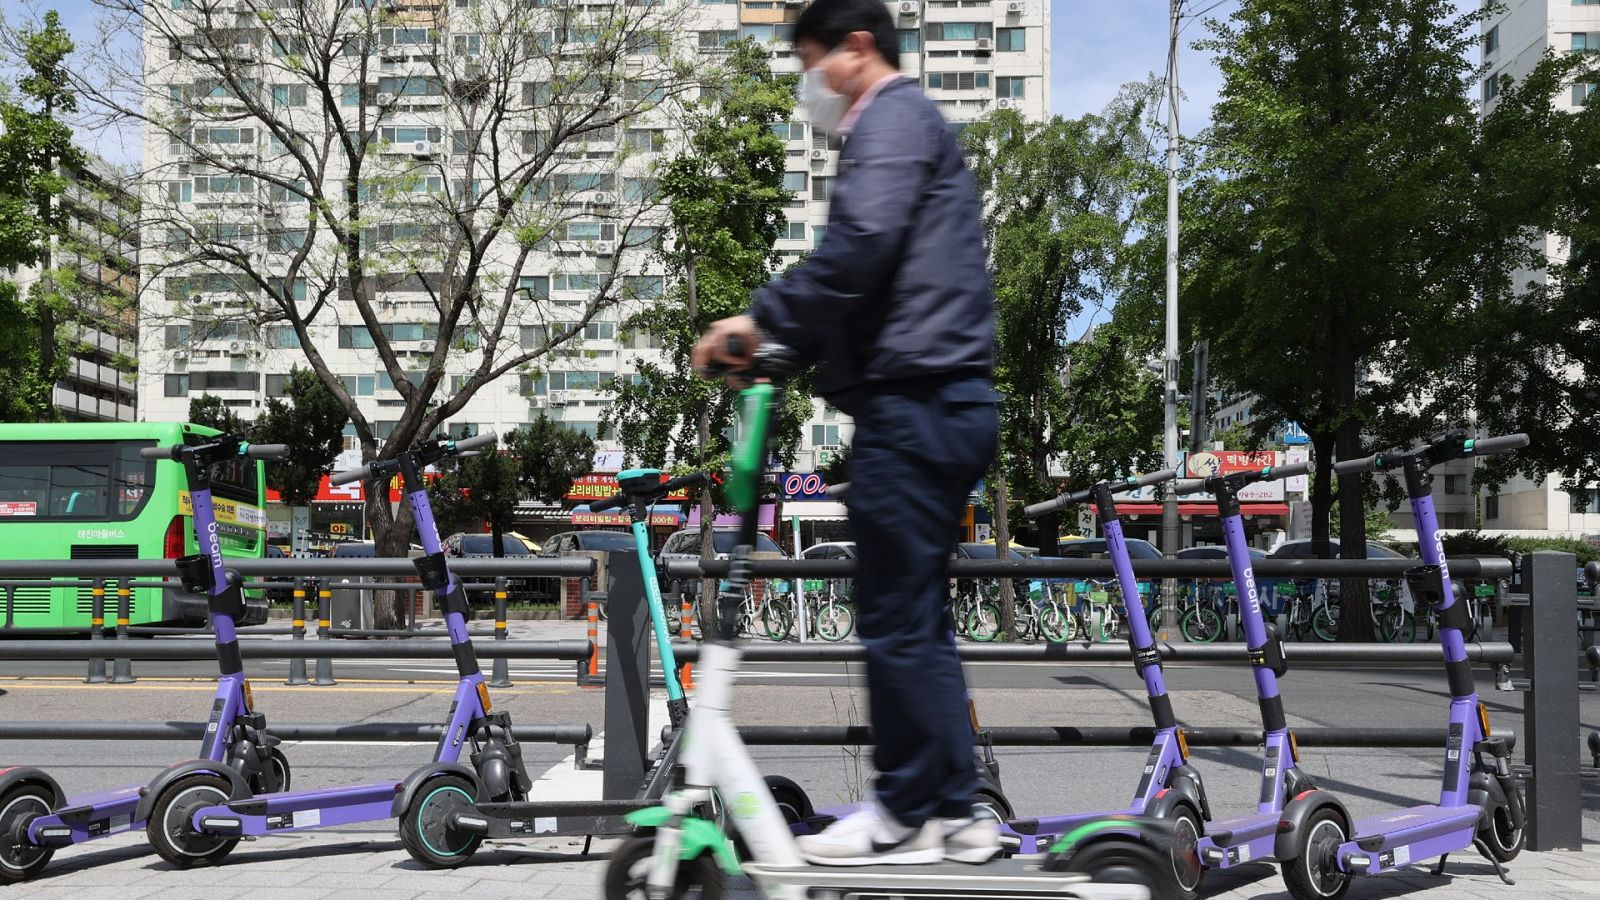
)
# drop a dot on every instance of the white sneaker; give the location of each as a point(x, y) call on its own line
point(971, 840)
point(871, 837)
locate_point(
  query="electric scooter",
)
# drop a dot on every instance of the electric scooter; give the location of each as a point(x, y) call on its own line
point(195, 818)
point(1480, 805)
point(36, 818)
point(1169, 788)
point(463, 821)
point(1289, 805)
point(677, 851)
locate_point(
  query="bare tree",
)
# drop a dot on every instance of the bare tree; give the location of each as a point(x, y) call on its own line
point(424, 181)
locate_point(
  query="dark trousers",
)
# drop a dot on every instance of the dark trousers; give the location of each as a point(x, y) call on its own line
point(917, 453)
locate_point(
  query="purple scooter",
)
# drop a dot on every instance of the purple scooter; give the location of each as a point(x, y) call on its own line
point(236, 752)
point(196, 818)
point(1169, 787)
point(1480, 805)
point(1289, 803)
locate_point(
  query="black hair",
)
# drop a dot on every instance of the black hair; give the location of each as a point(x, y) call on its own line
point(828, 22)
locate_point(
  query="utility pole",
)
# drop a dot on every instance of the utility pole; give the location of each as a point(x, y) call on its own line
point(1169, 374)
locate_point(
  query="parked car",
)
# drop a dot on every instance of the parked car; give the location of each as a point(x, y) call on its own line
point(462, 545)
point(596, 540)
point(685, 544)
point(356, 550)
point(830, 550)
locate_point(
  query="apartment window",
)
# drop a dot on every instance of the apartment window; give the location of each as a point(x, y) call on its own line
point(824, 434)
point(821, 188)
point(277, 386)
point(789, 131)
point(179, 191)
point(176, 338)
point(467, 44)
point(409, 135)
point(537, 285)
point(910, 39)
point(1491, 87)
point(223, 184)
point(286, 240)
point(349, 95)
point(393, 36)
point(411, 86)
point(359, 385)
point(1491, 506)
point(816, 235)
point(796, 231)
point(645, 139)
point(715, 40)
point(767, 33)
point(285, 193)
point(224, 135)
point(175, 386)
point(288, 95)
point(646, 90)
point(958, 81)
point(1009, 87)
point(959, 31)
point(1585, 500)
point(536, 93)
point(639, 189)
point(1586, 41)
point(280, 337)
point(288, 45)
point(599, 331)
point(643, 340)
point(795, 182)
point(1455, 484)
point(1010, 39)
point(1582, 92)
point(585, 231)
point(1491, 40)
point(225, 381)
point(574, 281)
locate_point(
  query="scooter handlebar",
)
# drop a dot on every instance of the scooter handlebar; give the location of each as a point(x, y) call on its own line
point(1504, 443)
point(267, 451)
point(1186, 486)
point(485, 439)
point(1293, 470)
point(1352, 466)
point(1147, 480)
point(360, 473)
point(693, 479)
point(1049, 506)
point(612, 502)
point(156, 452)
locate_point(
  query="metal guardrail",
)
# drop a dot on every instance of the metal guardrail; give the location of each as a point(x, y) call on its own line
point(1108, 736)
point(410, 732)
point(489, 569)
point(1466, 568)
point(1492, 653)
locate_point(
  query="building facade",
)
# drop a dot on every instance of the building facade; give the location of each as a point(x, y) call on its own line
point(98, 261)
point(972, 56)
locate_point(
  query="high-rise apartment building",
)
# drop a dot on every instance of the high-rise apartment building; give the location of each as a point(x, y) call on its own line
point(1513, 43)
point(98, 258)
point(972, 56)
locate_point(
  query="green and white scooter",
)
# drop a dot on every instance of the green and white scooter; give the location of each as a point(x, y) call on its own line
point(677, 852)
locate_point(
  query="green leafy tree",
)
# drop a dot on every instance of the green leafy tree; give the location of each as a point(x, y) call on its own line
point(211, 411)
point(35, 148)
point(536, 462)
point(724, 199)
point(1332, 228)
point(1058, 199)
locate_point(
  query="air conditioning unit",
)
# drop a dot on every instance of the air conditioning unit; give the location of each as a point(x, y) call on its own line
point(385, 98)
point(910, 7)
point(985, 45)
point(603, 248)
point(1016, 7)
point(536, 402)
point(422, 149)
point(558, 398)
point(236, 346)
point(424, 347)
point(1005, 103)
point(602, 197)
point(819, 154)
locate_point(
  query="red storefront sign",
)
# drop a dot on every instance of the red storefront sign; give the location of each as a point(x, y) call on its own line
point(600, 485)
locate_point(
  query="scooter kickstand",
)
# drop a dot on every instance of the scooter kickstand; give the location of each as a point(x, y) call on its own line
point(1438, 867)
point(1498, 868)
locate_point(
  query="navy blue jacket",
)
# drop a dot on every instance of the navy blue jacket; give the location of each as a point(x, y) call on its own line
point(898, 292)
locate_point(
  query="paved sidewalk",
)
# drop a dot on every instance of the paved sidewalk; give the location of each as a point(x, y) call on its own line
point(370, 865)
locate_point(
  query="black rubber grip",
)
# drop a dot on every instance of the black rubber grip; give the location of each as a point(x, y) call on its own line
point(348, 475)
point(1504, 443)
point(1061, 502)
point(1189, 486)
point(1293, 470)
point(1152, 478)
point(1352, 466)
point(614, 501)
point(267, 451)
point(683, 481)
point(484, 439)
point(157, 452)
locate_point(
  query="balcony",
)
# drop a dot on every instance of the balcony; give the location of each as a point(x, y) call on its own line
point(75, 405)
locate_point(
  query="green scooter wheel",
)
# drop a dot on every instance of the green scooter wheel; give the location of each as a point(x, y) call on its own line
point(629, 868)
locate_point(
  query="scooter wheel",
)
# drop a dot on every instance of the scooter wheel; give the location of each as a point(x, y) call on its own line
point(1314, 873)
point(20, 859)
point(990, 803)
point(1122, 860)
point(791, 799)
point(278, 764)
point(170, 828)
point(1187, 870)
point(629, 870)
point(425, 824)
point(1503, 838)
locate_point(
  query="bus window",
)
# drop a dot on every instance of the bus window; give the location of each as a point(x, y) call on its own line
point(236, 479)
point(86, 480)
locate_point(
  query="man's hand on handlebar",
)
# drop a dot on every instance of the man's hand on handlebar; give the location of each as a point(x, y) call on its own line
point(713, 351)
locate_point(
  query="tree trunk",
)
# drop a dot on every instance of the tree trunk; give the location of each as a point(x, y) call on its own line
point(1321, 490)
point(1355, 601)
point(1002, 550)
point(391, 537)
point(709, 614)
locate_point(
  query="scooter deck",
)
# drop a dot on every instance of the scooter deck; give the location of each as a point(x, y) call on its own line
point(1403, 836)
point(88, 816)
point(1240, 840)
point(550, 817)
point(1010, 879)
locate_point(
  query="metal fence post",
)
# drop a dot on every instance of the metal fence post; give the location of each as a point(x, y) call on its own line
point(97, 630)
point(324, 626)
point(121, 666)
point(1550, 709)
point(502, 666)
point(297, 632)
point(627, 676)
point(589, 668)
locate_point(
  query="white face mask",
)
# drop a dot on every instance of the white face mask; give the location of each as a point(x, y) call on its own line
point(824, 106)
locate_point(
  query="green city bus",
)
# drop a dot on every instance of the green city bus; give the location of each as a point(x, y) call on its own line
point(81, 491)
